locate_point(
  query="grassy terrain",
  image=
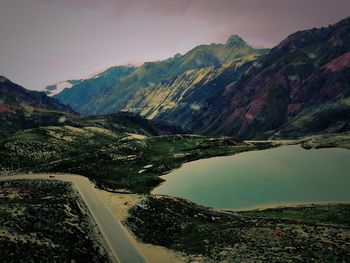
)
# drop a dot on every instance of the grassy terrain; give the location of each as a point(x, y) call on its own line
point(341, 140)
point(218, 236)
point(114, 160)
point(336, 214)
point(44, 221)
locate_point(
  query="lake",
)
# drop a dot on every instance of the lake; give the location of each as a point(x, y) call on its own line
point(278, 176)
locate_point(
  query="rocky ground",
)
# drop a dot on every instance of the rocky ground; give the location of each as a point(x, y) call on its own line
point(45, 221)
point(207, 235)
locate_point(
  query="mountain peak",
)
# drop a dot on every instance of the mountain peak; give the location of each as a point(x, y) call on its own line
point(236, 41)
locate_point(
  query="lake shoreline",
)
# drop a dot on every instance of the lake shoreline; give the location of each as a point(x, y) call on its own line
point(283, 176)
point(286, 205)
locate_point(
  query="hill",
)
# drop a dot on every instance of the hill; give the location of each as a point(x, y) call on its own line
point(23, 109)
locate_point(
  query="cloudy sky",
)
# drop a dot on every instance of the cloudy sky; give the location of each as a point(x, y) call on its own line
point(46, 41)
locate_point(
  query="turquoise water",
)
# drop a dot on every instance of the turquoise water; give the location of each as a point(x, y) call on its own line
point(283, 175)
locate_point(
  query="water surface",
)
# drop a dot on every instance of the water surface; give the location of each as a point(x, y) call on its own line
point(283, 175)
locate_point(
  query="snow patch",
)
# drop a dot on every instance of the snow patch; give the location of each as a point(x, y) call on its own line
point(59, 88)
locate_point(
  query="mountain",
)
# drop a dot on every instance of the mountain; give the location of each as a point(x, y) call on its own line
point(299, 87)
point(98, 97)
point(302, 86)
point(178, 100)
point(91, 88)
point(22, 109)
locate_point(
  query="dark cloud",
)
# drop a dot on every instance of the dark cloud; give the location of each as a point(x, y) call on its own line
point(44, 41)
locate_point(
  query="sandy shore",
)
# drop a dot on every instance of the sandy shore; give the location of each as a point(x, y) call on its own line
point(285, 205)
point(119, 204)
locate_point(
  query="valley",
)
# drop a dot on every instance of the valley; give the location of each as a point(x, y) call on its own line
point(228, 152)
point(187, 229)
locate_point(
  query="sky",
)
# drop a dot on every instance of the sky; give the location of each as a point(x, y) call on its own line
point(46, 41)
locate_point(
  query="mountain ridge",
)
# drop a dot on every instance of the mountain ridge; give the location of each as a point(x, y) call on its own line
point(114, 97)
point(293, 77)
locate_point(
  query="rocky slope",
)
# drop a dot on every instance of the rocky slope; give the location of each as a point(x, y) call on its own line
point(302, 86)
point(178, 100)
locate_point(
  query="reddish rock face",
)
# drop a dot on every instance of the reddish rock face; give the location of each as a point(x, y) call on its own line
point(4, 108)
point(339, 63)
point(303, 75)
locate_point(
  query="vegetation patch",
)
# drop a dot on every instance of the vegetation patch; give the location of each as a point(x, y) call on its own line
point(45, 221)
point(114, 160)
point(221, 236)
point(341, 140)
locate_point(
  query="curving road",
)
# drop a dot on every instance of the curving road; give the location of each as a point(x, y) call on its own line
point(120, 244)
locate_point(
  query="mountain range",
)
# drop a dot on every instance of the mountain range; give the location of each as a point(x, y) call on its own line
point(111, 90)
point(299, 87)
